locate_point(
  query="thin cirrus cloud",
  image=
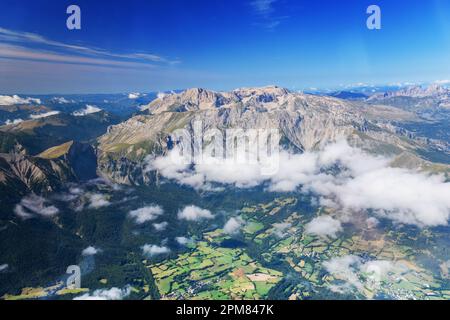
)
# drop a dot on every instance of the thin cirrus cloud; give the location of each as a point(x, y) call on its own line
point(27, 64)
point(265, 13)
point(18, 42)
point(22, 53)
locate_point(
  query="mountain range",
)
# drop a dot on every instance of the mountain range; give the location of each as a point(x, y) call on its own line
point(306, 123)
point(97, 183)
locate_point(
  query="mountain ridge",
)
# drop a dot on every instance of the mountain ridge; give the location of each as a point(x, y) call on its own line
point(306, 122)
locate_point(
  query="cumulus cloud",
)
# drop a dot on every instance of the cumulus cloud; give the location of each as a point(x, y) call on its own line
point(98, 200)
point(174, 167)
point(183, 241)
point(357, 273)
point(341, 176)
point(146, 214)
point(76, 190)
point(233, 225)
point(90, 251)
point(154, 250)
point(372, 222)
point(15, 99)
point(226, 170)
point(43, 115)
point(88, 110)
point(160, 226)
point(32, 206)
point(279, 229)
point(135, 95)
point(324, 226)
point(15, 121)
point(344, 268)
point(194, 213)
point(3, 267)
point(399, 194)
point(107, 294)
point(62, 100)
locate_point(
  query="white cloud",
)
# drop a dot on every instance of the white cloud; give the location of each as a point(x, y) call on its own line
point(15, 121)
point(360, 274)
point(160, 226)
point(363, 182)
point(76, 190)
point(324, 226)
point(194, 213)
point(62, 100)
point(32, 54)
point(88, 110)
point(233, 225)
point(3, 267)
point(399, 194)
point(183, 241)
point(44, 115)
point(90, 251)
point(372, 222)
point(97, 200)
point(173, 167)
point(242, 174)
point(107, 294)
point(15, 99)
point(154, 250)
point(33, 205)
point(279, 229)
point(136, 95)
point(103, 56)
point(145, 214)
point(343, 268)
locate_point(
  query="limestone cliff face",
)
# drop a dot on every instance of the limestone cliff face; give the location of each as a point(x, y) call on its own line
point(305, 122)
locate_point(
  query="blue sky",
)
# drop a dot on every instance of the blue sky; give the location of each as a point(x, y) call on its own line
point(138, 45)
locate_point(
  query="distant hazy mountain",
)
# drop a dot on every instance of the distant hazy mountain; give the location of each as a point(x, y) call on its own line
point(414, 92)
point(348, 95)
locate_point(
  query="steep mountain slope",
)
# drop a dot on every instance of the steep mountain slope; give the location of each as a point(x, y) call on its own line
point(21, 173)
point(40, 134)
point(305, 122)
point(43, 154)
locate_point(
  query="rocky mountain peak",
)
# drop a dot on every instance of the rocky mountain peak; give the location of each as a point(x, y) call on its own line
point(260, 99)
